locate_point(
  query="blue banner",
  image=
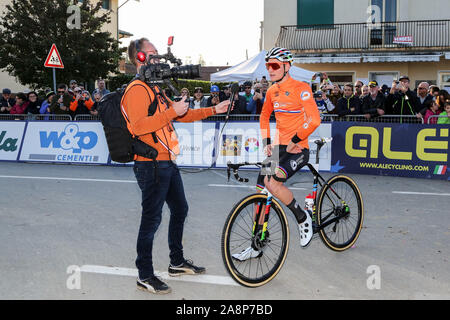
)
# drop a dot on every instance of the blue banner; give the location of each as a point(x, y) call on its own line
point(407, 150)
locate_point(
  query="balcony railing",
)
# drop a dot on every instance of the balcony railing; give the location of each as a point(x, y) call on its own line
point(386, 36)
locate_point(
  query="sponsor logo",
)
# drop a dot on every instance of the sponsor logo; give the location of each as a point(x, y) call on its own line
point(8, 144)
point(287, 93)
point(231, 145)
point(305, 95)
point(251, 145)
point(293, 165)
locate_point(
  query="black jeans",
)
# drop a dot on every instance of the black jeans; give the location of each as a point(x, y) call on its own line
point(169, 189)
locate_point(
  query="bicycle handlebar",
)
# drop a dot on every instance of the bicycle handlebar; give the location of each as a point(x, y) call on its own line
point(235, 166)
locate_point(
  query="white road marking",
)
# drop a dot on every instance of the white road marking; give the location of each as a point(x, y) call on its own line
point(69, 179)
point(422, 193)
point(202, 278)
point(244, 186)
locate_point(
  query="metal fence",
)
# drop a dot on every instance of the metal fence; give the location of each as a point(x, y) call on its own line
point(435, 117)
point(369, 36)
point(222, 118)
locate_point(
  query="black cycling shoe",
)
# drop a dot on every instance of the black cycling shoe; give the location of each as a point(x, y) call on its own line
point(187, 267)
point(153, 285)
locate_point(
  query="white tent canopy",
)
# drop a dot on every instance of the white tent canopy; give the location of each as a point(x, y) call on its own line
point(255, 68)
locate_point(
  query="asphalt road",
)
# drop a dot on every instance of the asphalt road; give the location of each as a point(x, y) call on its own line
point(69, 232)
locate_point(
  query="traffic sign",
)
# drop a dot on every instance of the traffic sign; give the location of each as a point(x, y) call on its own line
point(54, 59)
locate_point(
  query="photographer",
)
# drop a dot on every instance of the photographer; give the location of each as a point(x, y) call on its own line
point(161, 182)
point(401, 100)
point(61, 102)
point(323, 103)
point(256, 103)
point(214, 98)
point(81, 103)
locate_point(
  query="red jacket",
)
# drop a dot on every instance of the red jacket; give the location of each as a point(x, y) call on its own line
point(19, 109)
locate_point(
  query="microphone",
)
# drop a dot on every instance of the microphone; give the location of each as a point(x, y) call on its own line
point(234, 91)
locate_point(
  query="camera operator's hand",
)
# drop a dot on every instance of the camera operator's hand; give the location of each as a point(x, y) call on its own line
point(222, 107)
point(181, 107)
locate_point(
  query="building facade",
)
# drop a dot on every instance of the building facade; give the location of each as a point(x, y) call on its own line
point(364, 39)
point(6, 81)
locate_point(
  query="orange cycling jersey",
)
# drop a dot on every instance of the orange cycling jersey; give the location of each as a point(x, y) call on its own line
point(296, 112)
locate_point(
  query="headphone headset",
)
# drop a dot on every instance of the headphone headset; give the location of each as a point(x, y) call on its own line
point(140, 56)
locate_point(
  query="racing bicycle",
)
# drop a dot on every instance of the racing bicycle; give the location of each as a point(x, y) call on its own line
point(259, 221)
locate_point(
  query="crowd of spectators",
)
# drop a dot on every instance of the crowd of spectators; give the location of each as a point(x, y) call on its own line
point(72, 99)
point(365, 100)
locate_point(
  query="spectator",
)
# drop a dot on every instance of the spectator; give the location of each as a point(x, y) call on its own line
point(334, 96)
point(432, 110)
point(365, 91)
point(323, 103)
point(73, 84)
point(225, 93)
point(214, 99)
point(199, 100)
point(185, 92)
point(374, 104)
point(34, 106)
point(101, 88)
point(256, 103)
point(248, 91)
point(61, 102)
point(358, 88)
point(6, 102)
point(21, 104)
point(45, 106)
point(94, 108)
point(385, 90)
point(239, 105)
point(81, 103)
point(434, 91)
point(401, 100)
point(443, 96)
point(444, 117)
point(349, 104)
point(423, 97)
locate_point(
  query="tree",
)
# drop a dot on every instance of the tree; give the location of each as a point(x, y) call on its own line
point(29, 27)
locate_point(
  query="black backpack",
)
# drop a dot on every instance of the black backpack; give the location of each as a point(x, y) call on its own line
point(121, 143)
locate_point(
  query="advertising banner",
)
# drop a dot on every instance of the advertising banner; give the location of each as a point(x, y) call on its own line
point(407, 150)
point(242, 142)
point(11, 135)
point(196, 142)
point(70, 142)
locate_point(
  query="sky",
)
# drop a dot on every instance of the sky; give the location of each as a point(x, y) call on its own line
point(219, 31)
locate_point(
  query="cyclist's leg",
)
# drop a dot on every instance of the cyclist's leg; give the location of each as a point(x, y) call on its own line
point(289, 164)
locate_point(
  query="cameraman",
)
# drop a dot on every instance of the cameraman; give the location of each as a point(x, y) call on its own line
point(161, 183)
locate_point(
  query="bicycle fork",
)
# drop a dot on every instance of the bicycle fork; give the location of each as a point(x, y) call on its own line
point(260, 221)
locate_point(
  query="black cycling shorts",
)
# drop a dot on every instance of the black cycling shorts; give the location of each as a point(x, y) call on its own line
point(282, 162)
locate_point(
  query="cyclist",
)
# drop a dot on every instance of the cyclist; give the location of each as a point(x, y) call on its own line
point(296, 117)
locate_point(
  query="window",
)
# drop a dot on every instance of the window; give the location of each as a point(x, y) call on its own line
point(315, 12)
point(384, 77)
point(106, 4)
point(444, 80)
point(384, 10)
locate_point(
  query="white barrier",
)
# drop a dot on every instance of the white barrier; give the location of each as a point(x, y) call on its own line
point(71, 142)
point(84, 142)
point(11, 135)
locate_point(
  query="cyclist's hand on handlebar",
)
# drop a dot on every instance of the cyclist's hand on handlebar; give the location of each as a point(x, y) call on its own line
point(268, 150)
point(293, 148)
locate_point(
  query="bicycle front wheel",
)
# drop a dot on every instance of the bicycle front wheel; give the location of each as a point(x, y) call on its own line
point(266, 255)
point(340, 213)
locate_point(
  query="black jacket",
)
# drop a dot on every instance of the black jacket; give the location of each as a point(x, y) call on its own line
point(424, 106)
point(403, 103)
point(344, 105)
point(370, 106)
point(4, 103)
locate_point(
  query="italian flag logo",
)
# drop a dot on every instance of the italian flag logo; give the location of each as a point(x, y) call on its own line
point(440, 169)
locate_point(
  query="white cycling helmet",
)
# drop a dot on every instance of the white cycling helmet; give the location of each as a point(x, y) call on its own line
point(281, 54)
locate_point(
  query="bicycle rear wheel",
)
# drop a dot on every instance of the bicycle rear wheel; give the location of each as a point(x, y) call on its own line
point(340, 199)
point(237, 236)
